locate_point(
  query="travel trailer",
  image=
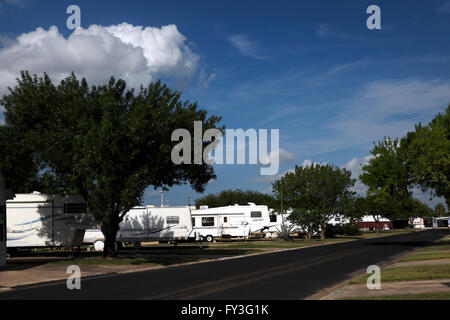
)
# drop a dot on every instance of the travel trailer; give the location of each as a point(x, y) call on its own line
point(38, 220)
point(148, 223)
point(231, 221)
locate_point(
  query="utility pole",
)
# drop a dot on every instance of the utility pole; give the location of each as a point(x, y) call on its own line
point(162, 198)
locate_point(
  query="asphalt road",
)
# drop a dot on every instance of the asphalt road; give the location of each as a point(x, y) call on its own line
point(293, 274)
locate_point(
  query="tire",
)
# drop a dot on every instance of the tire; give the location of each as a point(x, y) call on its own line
point(99, 245)
point(209, 238)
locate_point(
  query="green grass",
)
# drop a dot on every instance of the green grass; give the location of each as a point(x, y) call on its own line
point(438, 246)
point(421, 296)
point(426, 256)
point(411, 273)
point(148, 261)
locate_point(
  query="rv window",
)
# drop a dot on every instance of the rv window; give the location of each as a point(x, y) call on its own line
point(273, 218)
point(173, 219)
point(256, 214)
point(207, 221)
point(225, 219)
point(337, 219)
point(193, 222)
point(74, 207)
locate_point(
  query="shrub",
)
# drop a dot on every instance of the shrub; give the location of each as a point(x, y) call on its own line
point(331, 231)
point(351, 229)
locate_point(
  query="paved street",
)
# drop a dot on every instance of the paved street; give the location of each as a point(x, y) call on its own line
point(293, 274)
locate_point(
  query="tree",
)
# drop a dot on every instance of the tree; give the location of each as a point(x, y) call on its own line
point(428, 155)
point(377, 205)
point(315, 193)
point(231, 197)
point(418, 209)
point(440, 210)
point(106, 142)
point(387, 175)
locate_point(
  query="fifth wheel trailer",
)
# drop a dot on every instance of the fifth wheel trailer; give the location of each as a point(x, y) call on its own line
point(39, 220)
point(148, 223)
point(231, 221)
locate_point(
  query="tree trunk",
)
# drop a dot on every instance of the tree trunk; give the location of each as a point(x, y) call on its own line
point(322, 232)
point(110, 232)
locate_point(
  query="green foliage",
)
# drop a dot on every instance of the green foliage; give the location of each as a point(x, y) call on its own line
point(428, 155)
point(350, 229)
point(440, 210)
point(315, 193)
point(106, 142)
point(332, 230)
point(417, 208)
point(387, 176)
point(285, 231)
point(231, 197)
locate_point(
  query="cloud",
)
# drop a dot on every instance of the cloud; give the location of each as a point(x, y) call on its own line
point(18, 3)
point(284, 157)
point(134, 53)
point(389, 107)
point(6, 41)
point(355, 166)
point(328, 31)
point(444, 8)
point(245, 46)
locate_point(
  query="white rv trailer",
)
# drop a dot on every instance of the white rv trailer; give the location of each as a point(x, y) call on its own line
point(148, 223)
point(231, 221)
point(38, 220)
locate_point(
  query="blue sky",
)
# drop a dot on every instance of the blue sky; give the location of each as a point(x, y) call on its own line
point(308, 68)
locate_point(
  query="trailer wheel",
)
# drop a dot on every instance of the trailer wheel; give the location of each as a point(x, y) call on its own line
point(99, 245)
point(268, 235)
point(209, 238)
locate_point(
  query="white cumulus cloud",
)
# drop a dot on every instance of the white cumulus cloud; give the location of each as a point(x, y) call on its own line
point(134, 53)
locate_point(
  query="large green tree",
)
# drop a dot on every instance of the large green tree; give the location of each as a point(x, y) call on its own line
point(387, 176)
point(107, 143)
point(440, 210)
point(315, 193)
point(231, 197)
point(428, 155)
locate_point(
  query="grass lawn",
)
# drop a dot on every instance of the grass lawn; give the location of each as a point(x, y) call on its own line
point(426, 256)
point(411, 273)
point(441, 245)
point(421, 296)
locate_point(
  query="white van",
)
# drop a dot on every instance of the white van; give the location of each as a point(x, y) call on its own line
point(148, 223)
point(39, 220)
point(230, 221)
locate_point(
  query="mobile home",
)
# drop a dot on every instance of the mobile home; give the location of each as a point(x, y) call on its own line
point(230, 221)
point(38, 220)
point(148, 223)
